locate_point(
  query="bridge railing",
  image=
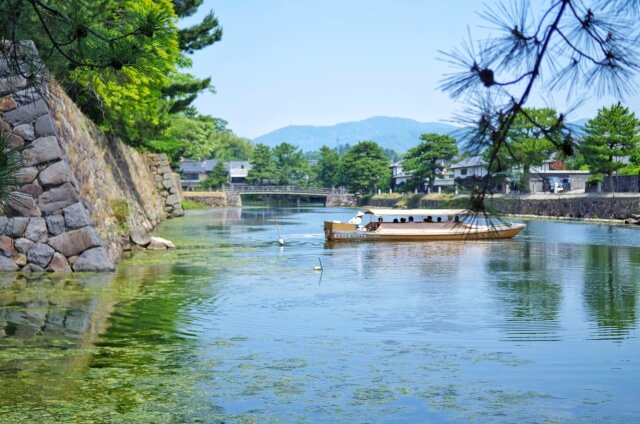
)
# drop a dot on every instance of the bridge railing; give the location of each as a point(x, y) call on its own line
point(258, 189)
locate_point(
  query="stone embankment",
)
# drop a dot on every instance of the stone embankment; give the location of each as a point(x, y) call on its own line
point(81, 192)
point(589, 206)
point(230, 199)
point(167, 183)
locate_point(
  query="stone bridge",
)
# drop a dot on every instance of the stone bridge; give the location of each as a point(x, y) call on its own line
point(233, 195)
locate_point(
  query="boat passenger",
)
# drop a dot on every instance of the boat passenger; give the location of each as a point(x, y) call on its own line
point(456, 219)
point(395, 220)
point(439, 219)
point(403, 219)
point(380, 220)
point(410, 219)
point(429, 218)
point(357, 219)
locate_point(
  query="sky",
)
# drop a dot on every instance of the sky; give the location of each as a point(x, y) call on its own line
point(323, 62)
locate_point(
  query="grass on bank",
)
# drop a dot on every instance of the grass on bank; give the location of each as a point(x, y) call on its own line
point(188, 204)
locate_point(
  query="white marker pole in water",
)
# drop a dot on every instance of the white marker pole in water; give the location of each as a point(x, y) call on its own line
point(318, 267)
point(280, 239)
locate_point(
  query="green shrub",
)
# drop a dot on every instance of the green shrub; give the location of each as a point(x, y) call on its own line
point(188, 204)
point(120, 208)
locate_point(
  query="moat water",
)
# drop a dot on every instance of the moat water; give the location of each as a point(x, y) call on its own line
point(232, 328)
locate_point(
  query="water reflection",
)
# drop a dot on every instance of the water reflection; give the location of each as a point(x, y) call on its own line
point(230, 327)
point(611, 290)
point(113, 346)
point(529, 291)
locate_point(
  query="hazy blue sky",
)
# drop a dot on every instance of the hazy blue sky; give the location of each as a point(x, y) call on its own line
point(321, 62)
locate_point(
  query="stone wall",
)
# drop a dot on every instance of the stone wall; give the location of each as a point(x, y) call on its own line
point(165, 180)
point(82, 193)
point(215, 199)
point(337, 200)
point(618, 206)
point(584, 206)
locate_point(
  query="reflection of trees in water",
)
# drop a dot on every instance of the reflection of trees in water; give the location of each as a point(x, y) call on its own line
point(528, 291)
point(611, 288)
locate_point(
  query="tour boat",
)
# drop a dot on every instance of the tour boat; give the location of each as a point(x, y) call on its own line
point(420, 225)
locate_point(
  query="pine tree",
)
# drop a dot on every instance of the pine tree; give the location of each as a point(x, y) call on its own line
point(424, 161)
point(611, 139)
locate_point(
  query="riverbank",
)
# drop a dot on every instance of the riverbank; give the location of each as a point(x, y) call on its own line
point(614, 208)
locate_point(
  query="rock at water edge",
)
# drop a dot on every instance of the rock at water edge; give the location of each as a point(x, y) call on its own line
point(93, 260)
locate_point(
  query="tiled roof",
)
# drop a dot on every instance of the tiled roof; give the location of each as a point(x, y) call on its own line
point(469, 162)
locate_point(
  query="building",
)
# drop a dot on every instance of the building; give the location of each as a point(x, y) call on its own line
point(473, 166)
point(192, 172)
point(444, 176)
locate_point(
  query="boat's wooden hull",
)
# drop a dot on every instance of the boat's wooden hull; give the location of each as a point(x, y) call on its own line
point(340, 231)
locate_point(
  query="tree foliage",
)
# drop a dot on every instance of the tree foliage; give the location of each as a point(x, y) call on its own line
point(216, 178)
point(580, 46)
point(118, 59)
point(532, 139)
point(10, 164)
point(364, 168)
point(326, 170)
point(424, 162)
point(262, 165)
point(291, 167)
point(612, 137)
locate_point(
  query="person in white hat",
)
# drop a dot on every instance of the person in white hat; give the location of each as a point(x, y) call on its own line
point(357, 219)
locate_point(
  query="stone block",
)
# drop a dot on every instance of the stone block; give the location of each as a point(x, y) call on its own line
point(7, 265)
point(42, 150)
point(75, 242)
point(44, 126)
point(23, 245)
point(33, 268)
point(4, 126)
point(25, 131)
point(24, 205)
point(159, 243)
point(59, 264)
point(10, 84)
point(3, 224)
point(55, 224)
point(167, 184)
point(7, 103)
point(94, 260)
point(6, 246)
point(76, 216)
point(55, 174)
point(172, 199)
point(20, 259)
point(27, 175)
point(27, 113)
point(58, 198)
point(16, 226)
point(27, 96)
point(40, 254)
point(33, 190)
point(37, 230)
point(15, 141)
point(140, 237)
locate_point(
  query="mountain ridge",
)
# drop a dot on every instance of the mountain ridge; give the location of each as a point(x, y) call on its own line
point(395, 133)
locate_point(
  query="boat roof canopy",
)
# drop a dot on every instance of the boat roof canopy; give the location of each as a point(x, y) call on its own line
point(418, 212)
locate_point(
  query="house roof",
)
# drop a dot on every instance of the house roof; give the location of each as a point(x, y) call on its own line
point(190, 166)
point(469, 162)
point(238, 168)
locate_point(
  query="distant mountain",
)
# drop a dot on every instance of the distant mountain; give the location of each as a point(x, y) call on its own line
point(398, 134)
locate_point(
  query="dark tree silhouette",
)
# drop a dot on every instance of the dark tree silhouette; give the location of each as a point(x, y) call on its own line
point(577, 46)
